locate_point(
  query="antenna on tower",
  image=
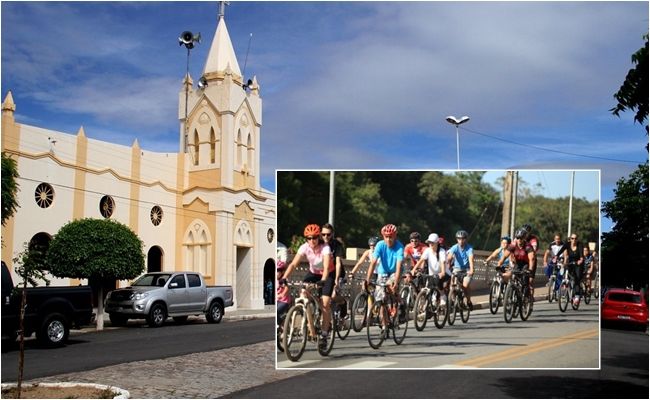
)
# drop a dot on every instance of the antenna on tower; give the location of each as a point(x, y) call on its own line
point(249, 82)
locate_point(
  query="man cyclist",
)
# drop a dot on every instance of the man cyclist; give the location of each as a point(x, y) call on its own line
point(321, 268)
point(388, 257)
point(498, 253)
point(520, 253)
point(367, 255)
point(553, 254)
point(327, 232)
point(462, 255)
point(414, 250)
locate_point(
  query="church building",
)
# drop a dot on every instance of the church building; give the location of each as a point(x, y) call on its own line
point(201, 209)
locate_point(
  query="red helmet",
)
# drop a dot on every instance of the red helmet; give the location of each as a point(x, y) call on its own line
point(389, 230)
point(312, 230)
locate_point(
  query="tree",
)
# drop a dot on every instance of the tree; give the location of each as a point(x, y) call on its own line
point(625, 247)
point(97, 250)
point(633, 94)
point(9, 187)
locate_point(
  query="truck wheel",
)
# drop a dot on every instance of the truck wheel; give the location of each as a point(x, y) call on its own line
point(54, 331)
point(215, 313)
point(157, 315)
point(117, 319)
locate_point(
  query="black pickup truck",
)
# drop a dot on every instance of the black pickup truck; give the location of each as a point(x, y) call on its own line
point(50, 311)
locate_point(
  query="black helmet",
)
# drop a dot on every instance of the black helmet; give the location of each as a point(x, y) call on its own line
point(461, 234)
point(373, 241)
point(521, 233)
point(527, 227)
point(414, 235)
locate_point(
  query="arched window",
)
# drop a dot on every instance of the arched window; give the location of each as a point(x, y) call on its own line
point(249, 153)
point(196, 147)
point(213, 145)
point(239, 150)
point(197, 245)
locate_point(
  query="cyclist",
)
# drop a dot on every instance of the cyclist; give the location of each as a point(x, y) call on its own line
point(327, 232)
point(552, 254)
point(589, 265)
point(414, 250)
point(575, 263)
point(282, 294)
point(498, 253)
point(321, 268)
point(438, 267)
point(367, 255)
point(388, 257)
point(521, 254)
point(462, 254)
point(533, 241)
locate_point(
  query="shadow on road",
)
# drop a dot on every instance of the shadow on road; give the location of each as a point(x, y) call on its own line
point(570, 387)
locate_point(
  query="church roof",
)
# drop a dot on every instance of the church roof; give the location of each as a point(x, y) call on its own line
point(221, 52)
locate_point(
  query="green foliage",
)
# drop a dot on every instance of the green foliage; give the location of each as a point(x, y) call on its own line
point(9, 187)
point(419, 201)
point(625, 248)
point(633, 94)
point(30, 265)
point(96, 249)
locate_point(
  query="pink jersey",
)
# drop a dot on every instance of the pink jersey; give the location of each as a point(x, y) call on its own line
point(315, 257)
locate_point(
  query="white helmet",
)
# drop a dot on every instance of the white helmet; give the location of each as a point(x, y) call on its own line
point(433, 238)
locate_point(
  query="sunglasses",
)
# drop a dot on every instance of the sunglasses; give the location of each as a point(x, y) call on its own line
point(574, 238)
point(414, 240)
point(326, 234)
point(311, 237)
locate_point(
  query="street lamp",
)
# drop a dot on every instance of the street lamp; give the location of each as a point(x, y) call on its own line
point(455, 121)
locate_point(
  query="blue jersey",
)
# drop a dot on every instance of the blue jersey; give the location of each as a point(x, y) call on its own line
point(461, 256)
point(388, 256)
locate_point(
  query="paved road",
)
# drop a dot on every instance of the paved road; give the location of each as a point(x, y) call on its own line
point(548, 339)
point(623, 374)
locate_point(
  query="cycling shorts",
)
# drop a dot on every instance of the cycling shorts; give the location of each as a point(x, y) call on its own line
point(463, 273)
point(328, 287)
point(383, 281)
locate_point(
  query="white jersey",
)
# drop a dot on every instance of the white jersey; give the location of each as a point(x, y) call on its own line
point(435, 261)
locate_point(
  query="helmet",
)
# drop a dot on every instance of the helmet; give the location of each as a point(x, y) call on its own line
point(461, 234)
point(389, 230)
point(527, 228)
point(373, 241)
point(312, 230)
point(521, 233)
point(433, 238)
point(414, 235)
point(507, 239)
point(280, 265)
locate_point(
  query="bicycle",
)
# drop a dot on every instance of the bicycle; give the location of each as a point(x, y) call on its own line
point(303, 322)
point(409, 289)
point(553, 285)
point(566, 290)
point(392, 311)
point(343, 324)
point(497, 289)
point(518, 298)
point(457, 299)
point(428, 304)
point(359, 309)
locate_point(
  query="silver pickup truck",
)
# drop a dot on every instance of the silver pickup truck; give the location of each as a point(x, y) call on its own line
point(159, 295)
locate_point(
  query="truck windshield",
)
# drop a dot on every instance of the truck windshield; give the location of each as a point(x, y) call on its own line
point(152, 280)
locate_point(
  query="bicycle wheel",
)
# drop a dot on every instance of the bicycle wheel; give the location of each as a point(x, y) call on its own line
point(464, 308)
point(439, 310)
point(509, 303)
point(453, 307)
point(400, 323)
point(359, 311)
point(565, 296)
point(495, 290)
point(551, 288)
point(343, 324)
point(526, 304)
point(420, 309)
point(295, 333)
point(325, 348)
point(406, 296)
point(376, 335)
point(574, 304)
point(279, 335)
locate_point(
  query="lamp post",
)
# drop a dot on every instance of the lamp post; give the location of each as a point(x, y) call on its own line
point(455, 121)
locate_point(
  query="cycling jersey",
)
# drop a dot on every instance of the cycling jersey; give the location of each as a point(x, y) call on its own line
point(520, 254)
point(533, 242)
point(415, 252)
point(556, 249)
point(388, 257)
point(574, 255)
point(461, 256)
point(315, 257)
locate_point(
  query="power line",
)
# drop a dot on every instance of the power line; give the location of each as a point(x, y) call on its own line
point(551, 150)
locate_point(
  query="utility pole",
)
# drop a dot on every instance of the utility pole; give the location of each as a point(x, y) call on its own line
point(507, 204)
point(330, 218)
point(515, 183)
point(573, 176)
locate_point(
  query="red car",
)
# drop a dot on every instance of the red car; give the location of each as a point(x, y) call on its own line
point(624, 306)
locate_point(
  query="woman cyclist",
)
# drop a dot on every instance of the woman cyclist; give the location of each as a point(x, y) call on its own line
point(575, 261)
point(498, 253)
point(321, 268)
point(367, 255)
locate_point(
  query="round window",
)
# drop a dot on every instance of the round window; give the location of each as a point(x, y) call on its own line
point(44, 195)
point(156, 215)
point(106, 206)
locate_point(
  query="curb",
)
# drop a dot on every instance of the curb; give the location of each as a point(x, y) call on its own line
point(121, 393)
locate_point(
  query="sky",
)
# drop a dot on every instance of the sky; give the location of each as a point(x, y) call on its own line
point(348, 85)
